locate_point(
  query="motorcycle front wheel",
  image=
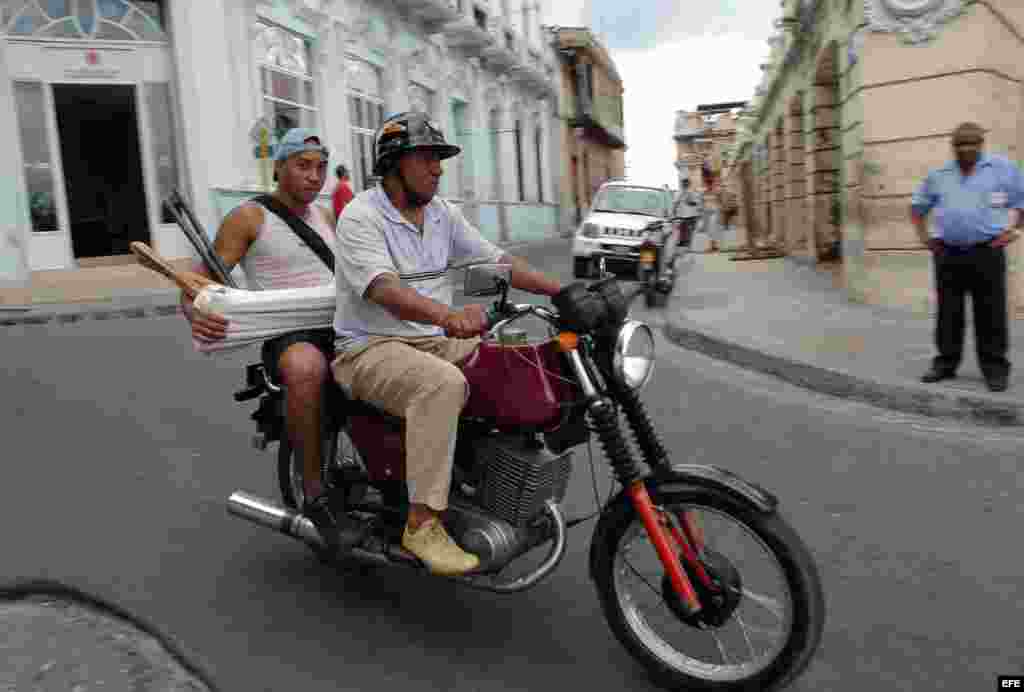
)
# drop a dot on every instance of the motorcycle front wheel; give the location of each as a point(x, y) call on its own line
point(758, 632)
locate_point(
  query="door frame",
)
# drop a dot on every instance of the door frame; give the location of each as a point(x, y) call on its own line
point(47, 62)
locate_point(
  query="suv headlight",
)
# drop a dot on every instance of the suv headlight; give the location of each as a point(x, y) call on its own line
point(633, 357)
point(591, 230)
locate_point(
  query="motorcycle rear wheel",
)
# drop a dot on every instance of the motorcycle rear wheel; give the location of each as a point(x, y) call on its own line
point(289, 466)
point(794, 623)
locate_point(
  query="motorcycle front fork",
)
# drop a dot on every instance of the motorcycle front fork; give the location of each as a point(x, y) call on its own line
point(671, 543)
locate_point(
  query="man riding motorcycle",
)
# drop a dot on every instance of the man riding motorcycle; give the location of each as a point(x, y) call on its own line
point(398, 338)
point(273, 257)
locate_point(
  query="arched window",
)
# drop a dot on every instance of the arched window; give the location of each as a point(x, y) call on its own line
point(100, 20)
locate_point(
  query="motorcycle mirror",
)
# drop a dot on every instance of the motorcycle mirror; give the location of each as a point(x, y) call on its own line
point(487, 279)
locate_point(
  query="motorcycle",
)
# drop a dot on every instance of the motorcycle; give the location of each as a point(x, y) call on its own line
point(656, 268)
point(698, 575)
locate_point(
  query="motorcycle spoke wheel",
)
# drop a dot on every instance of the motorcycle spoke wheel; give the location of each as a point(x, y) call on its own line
point(752, 637)
point(290, 476)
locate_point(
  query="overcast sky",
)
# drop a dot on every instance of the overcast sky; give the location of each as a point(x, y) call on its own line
point(673, 55)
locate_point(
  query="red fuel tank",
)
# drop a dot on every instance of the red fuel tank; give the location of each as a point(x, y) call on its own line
point(517, 385)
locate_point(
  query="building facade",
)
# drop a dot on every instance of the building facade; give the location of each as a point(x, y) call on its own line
point(591, 116)
point(705, 139)
point(108, 105)
point(857, 104)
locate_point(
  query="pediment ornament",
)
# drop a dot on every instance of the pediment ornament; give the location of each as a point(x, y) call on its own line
point(916, 20)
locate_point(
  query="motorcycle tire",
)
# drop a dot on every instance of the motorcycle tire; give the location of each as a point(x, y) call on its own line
point(790, 553)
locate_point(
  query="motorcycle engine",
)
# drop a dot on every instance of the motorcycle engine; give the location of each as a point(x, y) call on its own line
point(499, 515)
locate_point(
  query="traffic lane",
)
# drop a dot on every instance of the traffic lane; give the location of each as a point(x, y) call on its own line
point(135, 457)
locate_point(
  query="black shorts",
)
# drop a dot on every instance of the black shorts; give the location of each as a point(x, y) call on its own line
point(272, 349)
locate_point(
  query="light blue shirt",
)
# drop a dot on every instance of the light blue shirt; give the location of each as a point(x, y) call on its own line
point(373, 238)
point(972, 209)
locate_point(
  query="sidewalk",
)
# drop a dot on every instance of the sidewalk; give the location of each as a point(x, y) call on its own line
point(785, 319)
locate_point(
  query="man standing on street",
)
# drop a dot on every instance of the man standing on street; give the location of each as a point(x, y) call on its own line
point(977, 200)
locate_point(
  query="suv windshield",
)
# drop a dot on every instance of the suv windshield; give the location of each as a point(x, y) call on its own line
point(631, 200)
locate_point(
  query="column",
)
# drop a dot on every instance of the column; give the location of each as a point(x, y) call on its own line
point(15, 227)
point(203, 67)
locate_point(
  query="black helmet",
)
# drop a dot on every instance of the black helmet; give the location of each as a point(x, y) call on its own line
point(408, 132)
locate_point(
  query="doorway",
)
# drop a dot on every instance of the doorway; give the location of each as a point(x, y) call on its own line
point(97, 126)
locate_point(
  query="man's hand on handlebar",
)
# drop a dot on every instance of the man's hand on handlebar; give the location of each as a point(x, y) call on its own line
point(468, 322)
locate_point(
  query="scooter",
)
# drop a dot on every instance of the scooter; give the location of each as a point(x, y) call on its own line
point(698, 575)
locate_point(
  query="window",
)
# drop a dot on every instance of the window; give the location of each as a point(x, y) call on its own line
point(35, 148)
point(365, 115)
point(107, 20)
point(285, 79)
point(481, 18)
point(631, 200)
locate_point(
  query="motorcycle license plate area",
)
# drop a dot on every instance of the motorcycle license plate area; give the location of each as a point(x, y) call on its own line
point(516, 384)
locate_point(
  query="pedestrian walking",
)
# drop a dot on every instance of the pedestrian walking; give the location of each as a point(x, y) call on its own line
point(977, 199)
point(342, 193)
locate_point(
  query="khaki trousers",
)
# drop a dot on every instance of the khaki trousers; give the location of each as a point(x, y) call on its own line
point(415, 379)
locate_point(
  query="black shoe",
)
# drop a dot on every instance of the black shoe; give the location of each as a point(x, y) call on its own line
point(339, 531)
point(936, 375)
point(998, 383)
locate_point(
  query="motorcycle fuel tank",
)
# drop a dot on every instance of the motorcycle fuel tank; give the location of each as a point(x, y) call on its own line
point(516, 385)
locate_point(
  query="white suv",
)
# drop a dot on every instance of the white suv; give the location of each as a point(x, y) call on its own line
point(614, 227)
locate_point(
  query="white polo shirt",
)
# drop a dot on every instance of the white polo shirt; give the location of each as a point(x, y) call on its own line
point(373, 239)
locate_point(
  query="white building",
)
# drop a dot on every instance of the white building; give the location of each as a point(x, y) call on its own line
point(109, 104)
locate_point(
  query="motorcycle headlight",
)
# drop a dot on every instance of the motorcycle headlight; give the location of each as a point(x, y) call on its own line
point(633, 357)
point(591, 230)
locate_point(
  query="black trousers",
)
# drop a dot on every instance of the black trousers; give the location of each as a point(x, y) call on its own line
point(981, 272)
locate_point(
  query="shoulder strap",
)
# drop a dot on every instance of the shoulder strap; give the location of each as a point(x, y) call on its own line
point(300, 227)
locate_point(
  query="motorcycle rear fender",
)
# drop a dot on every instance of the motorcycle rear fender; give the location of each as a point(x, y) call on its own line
point(682, 477)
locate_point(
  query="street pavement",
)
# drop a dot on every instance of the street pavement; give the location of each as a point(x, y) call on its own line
point(122, 445)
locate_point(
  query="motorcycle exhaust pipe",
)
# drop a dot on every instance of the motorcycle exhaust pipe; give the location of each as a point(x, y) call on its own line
point(265, 513)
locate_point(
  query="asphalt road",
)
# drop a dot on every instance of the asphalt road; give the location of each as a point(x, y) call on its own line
point(120, 446)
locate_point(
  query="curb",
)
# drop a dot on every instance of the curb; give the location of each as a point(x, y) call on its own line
point(977, 409)
point(91, 312)
point(19, 589)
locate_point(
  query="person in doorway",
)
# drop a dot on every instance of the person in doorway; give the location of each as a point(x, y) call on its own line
point(342, 193)
point(978, 199)
point(273, 256)
point(398, 337)
point(687, 206)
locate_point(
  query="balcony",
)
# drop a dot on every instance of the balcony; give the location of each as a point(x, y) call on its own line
point(465, 33)
point(433, 13)
point(531, 73)
point(500, 55)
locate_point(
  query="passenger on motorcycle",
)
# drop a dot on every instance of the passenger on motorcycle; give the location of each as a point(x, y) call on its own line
point(398, 337)
point(274, 257)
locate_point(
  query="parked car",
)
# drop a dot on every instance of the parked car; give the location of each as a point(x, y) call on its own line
point(617, 224)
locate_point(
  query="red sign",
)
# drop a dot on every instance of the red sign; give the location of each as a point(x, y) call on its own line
point(92, 57)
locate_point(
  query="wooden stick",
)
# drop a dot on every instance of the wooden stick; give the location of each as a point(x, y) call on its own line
point(189, 282)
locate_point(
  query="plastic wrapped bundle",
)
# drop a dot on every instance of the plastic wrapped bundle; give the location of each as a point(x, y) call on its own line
point(254, 316)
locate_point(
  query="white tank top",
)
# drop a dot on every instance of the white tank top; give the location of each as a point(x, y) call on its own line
point(279, 258)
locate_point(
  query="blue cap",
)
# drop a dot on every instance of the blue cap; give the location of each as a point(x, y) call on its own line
point(294, 142)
